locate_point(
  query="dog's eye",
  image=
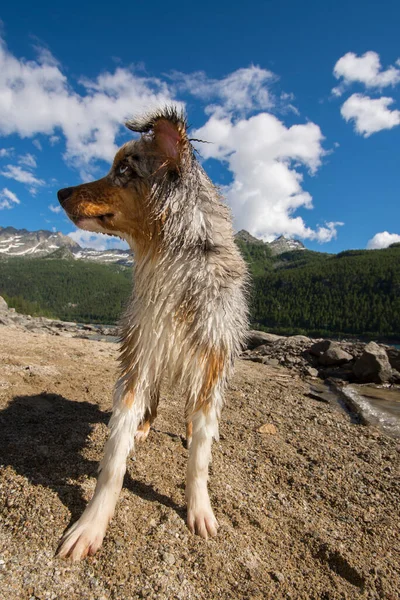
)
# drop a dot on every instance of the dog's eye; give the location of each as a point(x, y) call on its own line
point(122, 169)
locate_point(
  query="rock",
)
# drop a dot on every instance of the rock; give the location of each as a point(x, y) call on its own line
point(311, 371)
point(3, 305)
point(320, 347)
point(263, 349)
point(373, 365)
point(394, 358)
point(334, 355)
point(272, 362)
point(299, 339)
point(168, 558)
point(258, 338)
point(258, 359)
point(268, 428)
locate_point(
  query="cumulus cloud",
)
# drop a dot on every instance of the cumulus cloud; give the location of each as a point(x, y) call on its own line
point(18, 174)
point(37, 98)
point(265, 158)
point(383, 240)
point(370, 115)
point(243, 90)
point(365, 69)
point(54, 208)
point(8, 199)
point(98, 241)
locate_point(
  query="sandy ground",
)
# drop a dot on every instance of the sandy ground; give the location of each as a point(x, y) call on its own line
point(310, 512)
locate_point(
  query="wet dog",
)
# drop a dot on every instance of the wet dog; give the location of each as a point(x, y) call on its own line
point(187, 317)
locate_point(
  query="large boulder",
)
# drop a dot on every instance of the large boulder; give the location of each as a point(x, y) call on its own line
point(320, 347)
point(334, 356)
point(394, 358)
point(259, 338)
point(3, 305)
point(373, 365)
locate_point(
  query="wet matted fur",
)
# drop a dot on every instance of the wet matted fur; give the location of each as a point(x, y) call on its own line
point(187, 316)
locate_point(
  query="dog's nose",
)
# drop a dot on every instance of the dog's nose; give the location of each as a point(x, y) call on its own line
point(64, 194)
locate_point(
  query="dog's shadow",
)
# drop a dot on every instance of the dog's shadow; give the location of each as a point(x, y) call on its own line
point(42, 438)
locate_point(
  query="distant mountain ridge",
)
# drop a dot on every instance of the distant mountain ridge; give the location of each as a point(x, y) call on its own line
point(24, 243)
point(278, 246)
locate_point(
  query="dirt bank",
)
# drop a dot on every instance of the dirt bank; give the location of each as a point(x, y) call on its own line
point(310, 512)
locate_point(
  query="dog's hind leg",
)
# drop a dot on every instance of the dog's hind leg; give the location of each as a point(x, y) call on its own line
point(86, 535)
point(149, 416)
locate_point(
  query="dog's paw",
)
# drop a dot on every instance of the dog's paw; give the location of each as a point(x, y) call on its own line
point(202, 522)
point(142, 434)
point(81, 540)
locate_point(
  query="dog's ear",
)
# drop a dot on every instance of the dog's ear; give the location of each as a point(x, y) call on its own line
point(168, 129)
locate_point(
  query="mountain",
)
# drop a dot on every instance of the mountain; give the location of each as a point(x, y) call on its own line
point(20, 242)
point(282, 244)
point(278, 246)
point(42, 243)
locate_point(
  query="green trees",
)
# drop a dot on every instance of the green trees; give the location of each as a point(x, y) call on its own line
point(66, 289)
point(356, 292)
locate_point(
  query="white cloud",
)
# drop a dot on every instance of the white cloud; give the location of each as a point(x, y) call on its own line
point(37, 144)
point(243, 90)
point(265, 158)
point(4, 152)
point(370, 115)
point(19, 174)
point(365, 69)
point(54, 208)
point(383, 240)
point(36, 98)
point(8, 199)
point(28, 160)
point(98, 241)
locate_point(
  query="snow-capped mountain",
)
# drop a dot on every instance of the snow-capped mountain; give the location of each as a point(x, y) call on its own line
point(20, 242)
point(278, 246)
point(282, 244)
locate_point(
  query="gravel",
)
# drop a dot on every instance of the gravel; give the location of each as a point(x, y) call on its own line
point(307, 510)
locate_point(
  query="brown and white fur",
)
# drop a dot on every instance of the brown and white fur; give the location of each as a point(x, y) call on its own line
point(186, 319)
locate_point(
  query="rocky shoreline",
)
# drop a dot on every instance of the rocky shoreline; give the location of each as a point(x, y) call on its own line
point(346, 361)
point(338, 364)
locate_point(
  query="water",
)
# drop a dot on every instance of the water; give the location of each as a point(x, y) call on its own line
point(377, 404)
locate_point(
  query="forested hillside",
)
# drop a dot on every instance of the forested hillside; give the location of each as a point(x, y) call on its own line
point(355, 292)
point(67, 289)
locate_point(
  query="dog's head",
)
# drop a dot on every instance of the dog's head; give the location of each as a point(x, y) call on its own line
point(128, 202)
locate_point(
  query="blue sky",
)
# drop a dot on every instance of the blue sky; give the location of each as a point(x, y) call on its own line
point(301, 102)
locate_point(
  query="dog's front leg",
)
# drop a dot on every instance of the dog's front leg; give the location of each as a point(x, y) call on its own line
point(86, 535)
point(200, 516)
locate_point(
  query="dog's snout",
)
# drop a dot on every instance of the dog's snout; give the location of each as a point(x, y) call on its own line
point(64, 194)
